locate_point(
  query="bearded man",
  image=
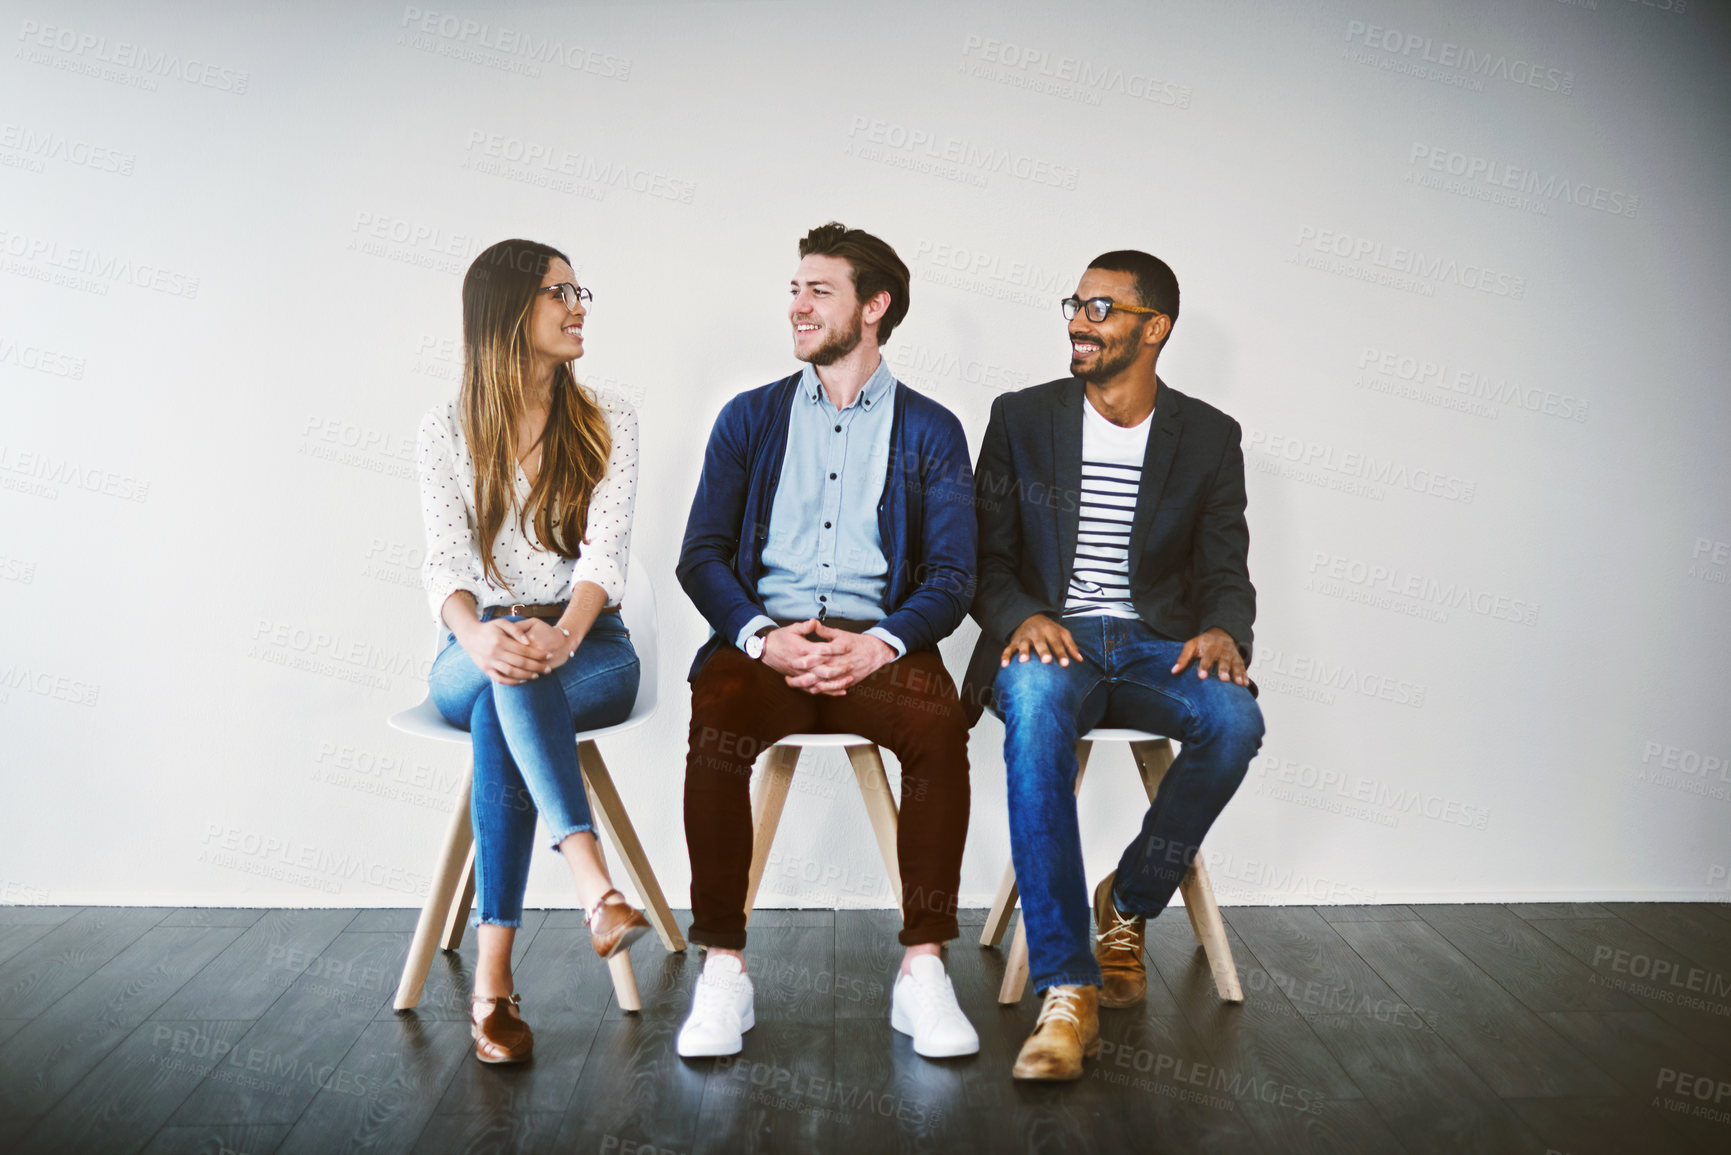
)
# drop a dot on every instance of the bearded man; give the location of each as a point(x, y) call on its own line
point(831, 547)
point(1113, 591)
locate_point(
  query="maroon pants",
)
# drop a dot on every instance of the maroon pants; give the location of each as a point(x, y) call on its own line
point(741, 707)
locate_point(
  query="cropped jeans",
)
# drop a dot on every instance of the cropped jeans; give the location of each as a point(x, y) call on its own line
point(525, 752)
point(1124, 680)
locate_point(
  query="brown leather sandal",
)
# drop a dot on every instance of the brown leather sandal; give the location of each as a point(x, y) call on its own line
point(614, 926)
point(500, 1036)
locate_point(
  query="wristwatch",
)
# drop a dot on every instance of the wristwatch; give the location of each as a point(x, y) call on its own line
point(754, 644)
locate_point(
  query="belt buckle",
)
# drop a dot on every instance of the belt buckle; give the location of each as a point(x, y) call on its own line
point(517, 610)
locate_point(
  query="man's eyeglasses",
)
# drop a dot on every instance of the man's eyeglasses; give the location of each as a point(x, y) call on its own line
point(572, 294)
point(1098, 308)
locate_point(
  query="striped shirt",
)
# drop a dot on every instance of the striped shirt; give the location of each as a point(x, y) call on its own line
point(1111, 477)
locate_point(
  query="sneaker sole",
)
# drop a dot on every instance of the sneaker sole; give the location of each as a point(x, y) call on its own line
point(899, 1023)
point(749, 1022)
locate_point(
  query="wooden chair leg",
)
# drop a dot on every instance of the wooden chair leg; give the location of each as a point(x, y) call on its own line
point(1016, 966)
point(1153, 759)
point(1003, 906)
point(767, 802)
point(880, 804)
point(610, 813)
point(1210, 930)
point(619, 966)
point(459, 840)
point(458, 920)
point(998, 918)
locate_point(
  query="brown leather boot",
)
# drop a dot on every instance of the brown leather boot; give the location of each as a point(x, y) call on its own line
point(500, 1036)
point(614, 926)
point(1067, 1031)
point(1118, 947)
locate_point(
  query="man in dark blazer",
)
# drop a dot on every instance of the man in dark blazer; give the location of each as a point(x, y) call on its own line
point(1113, 590)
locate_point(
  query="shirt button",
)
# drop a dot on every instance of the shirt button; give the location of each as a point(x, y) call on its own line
point(838, 429)
point(826, 525)
point(832, 477)
point(821, 598)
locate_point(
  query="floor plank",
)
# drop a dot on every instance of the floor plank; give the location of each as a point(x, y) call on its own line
point(297, 1047)
point(1341, 1127)
point(132, 1092)
point(1623, 958)
point(215, 916)
point(1692, 929)
point(1611, 1127)
point(15, 936)
point(1528, 965)
point(244, 980)
point(1506, 1044)
point(260, 1140)
point(1264, 1041)
point(39, 974)
point(1391, 913)
point(1312, 964)
point(44, 1060)
point(385, 1090)
point(1425, 1094)
point(29, 915)
point(1539, 910)
point(636, 1090)
point(494, 1134)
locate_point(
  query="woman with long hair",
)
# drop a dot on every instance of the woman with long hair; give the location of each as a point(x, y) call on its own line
point(527, 484)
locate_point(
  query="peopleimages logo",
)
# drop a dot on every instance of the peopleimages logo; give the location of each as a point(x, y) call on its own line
point(1398, 266)
point(930, 151)
point(1069, 77)
point(1423, 56)
point(87, 52)
point(459, 33)
point(1487, 178)
point(1350, 470)
point(1420, 595)
point(1474, 391)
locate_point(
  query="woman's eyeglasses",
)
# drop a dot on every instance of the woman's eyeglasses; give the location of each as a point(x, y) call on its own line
point(571, 294)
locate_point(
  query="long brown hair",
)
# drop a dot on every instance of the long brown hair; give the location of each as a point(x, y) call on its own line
point(498, 297)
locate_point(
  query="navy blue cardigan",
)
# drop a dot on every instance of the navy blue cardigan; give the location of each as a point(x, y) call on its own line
point(925, 517)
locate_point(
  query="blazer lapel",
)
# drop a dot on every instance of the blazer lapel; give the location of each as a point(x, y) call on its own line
point(1067, 477)
point(1156, 464)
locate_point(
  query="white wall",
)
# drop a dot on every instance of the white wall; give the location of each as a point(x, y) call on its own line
point(233, 237)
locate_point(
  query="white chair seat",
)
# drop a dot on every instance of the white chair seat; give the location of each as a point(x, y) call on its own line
point(824, 740)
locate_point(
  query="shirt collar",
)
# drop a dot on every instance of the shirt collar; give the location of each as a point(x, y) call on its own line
point(874, 394)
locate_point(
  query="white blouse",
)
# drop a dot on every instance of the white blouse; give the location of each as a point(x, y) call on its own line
point(534, 576)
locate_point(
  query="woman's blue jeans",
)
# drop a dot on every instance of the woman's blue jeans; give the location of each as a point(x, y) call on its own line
point(1124, 680)
point(525, 752)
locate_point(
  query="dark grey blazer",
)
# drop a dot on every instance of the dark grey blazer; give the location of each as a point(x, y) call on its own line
point(1188, 540)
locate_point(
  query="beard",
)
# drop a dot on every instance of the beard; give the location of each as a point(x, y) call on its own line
point(1113, 359)
point(839, 344)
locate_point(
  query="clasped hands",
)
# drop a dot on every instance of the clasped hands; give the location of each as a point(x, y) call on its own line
point(512, 653)
point(827, 666)
point(1212, 649)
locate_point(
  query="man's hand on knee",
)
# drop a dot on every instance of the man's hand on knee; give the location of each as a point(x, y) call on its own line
point(1043, 636)
point(1214, 650)
point(851, 658)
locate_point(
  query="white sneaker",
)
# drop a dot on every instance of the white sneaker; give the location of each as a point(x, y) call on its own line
point(923, 1005)
point(721, 1010)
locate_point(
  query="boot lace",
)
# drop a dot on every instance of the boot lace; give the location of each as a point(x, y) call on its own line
point(1121, 934)
point(1062, 1005)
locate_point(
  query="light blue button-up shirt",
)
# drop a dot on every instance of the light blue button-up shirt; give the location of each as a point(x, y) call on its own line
point(824, 556)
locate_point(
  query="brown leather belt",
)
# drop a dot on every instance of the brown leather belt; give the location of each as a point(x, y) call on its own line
point(555, 611)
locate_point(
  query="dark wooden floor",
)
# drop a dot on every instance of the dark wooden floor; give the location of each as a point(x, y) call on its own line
point(1531, 1028)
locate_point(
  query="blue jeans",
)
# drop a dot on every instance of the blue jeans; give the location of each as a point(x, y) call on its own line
point(1124, 680)
point(525, 755)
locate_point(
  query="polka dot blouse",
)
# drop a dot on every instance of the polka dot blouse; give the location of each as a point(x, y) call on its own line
point(535, 576)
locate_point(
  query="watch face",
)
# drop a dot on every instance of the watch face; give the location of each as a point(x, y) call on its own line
point(754, 647)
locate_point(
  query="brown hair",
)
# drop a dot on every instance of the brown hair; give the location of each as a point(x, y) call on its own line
point(499, 292)
point(876, 268)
